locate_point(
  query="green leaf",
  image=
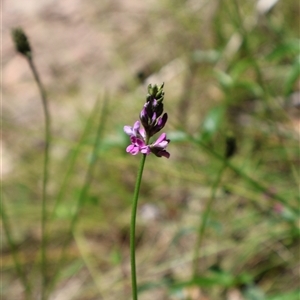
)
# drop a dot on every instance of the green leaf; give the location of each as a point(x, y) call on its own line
point(284, 50)
point(212, 123)
point(178, 136)
point(295, 295)
point(210, 56)
point(250, 86)
point(240, 67)
point(214, 279)
point(292, 77)
point(116, 256)
point(254, 293)
point(225, 80)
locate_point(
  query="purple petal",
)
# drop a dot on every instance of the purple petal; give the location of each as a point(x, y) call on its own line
point(163, 144)
point(164, 118)
point(135, 151)
point(132, 149)
point(145, 150)
point(133, 139)
point(160, 152)
point(162, 121)
point(143, 114)
point(164, 153)
point(140, 143)
point(142, 133)
point(136, 127)
point(153, 117)
point(129, 148)
point(161, 139)
point(128, 130)
point(132, 131)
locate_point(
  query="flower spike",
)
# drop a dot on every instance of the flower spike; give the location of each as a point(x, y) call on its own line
point(152, 120)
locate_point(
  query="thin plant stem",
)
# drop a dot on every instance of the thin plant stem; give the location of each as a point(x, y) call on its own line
point(255, 184)
point(266, 95)
point(12, 245)
point(132, 227)
point(45, 176)
point(88, 261)
point(203, 223)
point(74, 156)
point(84, 190)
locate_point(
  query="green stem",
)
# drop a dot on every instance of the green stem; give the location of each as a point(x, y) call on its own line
point(45, 177)
point(132, 227)
point(259, 76)
point(84, 190)
point(12, 245)
point(255, 184)
point(75, 153)
point(203, 223)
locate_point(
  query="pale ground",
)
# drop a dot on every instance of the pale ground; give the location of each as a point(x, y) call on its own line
point(81, 50)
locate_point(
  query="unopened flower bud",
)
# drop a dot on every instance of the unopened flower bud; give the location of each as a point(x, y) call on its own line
point(21, 42)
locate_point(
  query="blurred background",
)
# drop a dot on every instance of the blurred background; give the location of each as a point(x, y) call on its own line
point(231, 72)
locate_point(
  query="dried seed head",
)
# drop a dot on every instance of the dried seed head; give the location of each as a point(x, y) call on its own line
point(21, 42)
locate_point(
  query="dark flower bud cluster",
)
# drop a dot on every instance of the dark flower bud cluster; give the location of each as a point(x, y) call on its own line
point(21, 42)
point(150, 115)
point(153, 120)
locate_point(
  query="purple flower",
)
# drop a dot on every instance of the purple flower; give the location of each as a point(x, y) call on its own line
point(138, 142)
point(152, 122)
point(136, 130)
point(137, 145)
point(161, 122)
point(159, 146)
point(132, 131)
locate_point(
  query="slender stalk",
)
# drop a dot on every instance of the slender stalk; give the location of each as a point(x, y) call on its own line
point(255, 184)
point(84, 190)
point(132, 227)
point(45, 176)
point(203, 223)
point(12, 245)
point(259, 76)
point(74, 156)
